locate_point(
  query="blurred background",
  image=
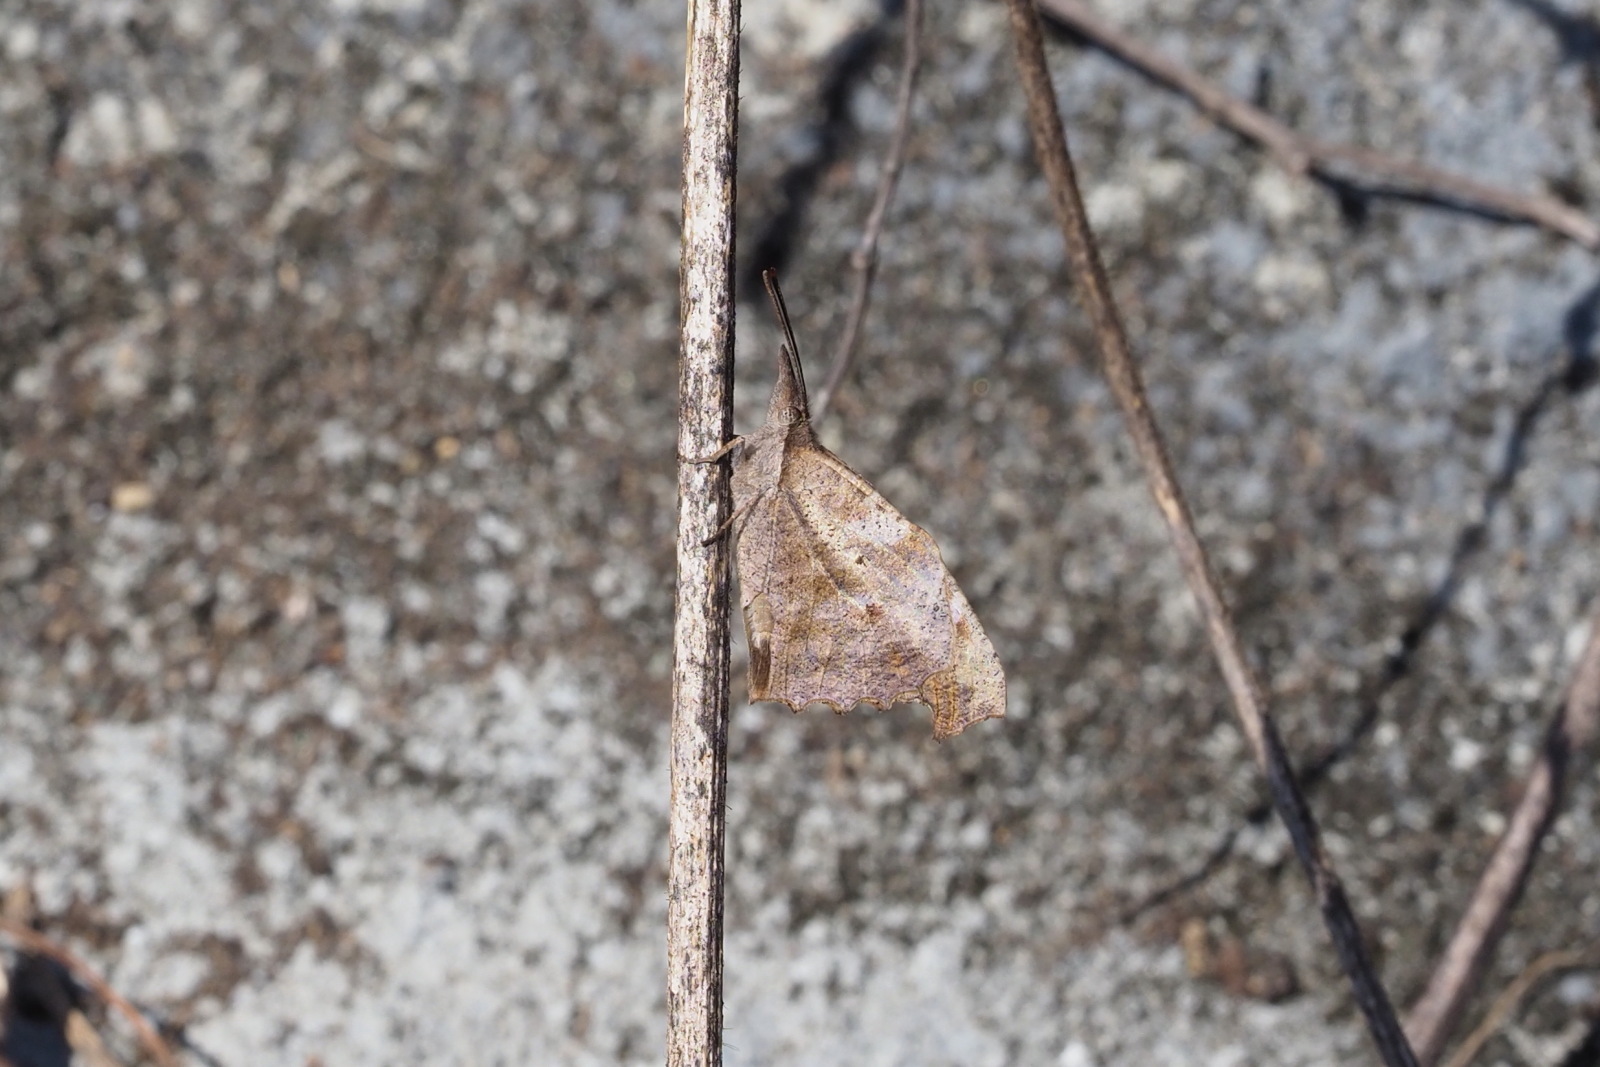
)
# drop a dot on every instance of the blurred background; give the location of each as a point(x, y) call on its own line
point(337, 392)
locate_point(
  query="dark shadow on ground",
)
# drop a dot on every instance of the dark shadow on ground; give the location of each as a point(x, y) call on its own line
point(850, 63)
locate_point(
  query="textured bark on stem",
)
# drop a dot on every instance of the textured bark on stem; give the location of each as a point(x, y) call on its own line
point(699, 741)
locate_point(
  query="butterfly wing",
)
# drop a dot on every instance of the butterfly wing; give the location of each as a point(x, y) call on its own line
point(847, 601)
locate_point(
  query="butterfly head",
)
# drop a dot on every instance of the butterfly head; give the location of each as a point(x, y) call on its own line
point(789, 404)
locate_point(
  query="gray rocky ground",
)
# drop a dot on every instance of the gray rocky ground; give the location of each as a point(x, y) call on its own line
point(337, 381)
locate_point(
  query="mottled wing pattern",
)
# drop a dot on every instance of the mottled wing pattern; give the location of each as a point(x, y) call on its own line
point(847, 601)
point(973, 687)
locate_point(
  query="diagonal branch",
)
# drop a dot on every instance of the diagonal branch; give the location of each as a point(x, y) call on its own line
point(1329, 160)
point(864, 260)
point(697, 822)
point(1122, 374)
point(1477, 934)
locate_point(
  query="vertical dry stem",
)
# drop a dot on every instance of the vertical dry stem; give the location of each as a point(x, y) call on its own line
point(1094, 288)
point(699, 744)
point(1435, 1014)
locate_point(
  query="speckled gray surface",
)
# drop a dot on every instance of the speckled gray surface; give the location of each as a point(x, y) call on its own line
point(337, 375)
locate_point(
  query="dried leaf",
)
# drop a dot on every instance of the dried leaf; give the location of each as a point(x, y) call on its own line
point(845, 600)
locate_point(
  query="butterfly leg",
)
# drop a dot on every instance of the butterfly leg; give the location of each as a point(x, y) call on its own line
point(725, 527)
point(718, 454)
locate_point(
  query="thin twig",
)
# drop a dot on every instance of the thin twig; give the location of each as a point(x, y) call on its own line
point(864, 260)
point(1332, 161)
point(30, 940)
point(696, 827)
point(1484, 920)
point(1122, 374)
point(1511, 998)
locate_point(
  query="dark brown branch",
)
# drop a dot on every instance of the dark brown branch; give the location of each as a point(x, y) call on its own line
point(1122, 374)
point(1299, 154)
point(1477, 934)
point(30, 940)
point(864, 261)
point(697, 825)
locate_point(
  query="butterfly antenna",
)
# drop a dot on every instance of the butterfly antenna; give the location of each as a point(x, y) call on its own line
point(769, 277)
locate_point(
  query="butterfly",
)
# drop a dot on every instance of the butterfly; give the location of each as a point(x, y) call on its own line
point(845, 600)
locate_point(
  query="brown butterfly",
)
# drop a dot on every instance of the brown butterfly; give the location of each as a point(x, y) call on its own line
point(845, 600)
